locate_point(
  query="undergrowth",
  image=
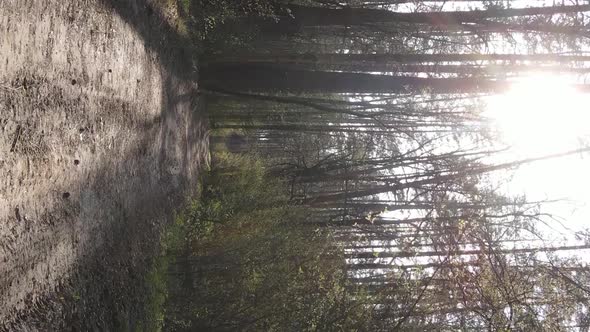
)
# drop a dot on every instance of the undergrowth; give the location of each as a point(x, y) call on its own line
point(236, 193)
point(236, 187)
point(157, 278)
point(218, 25)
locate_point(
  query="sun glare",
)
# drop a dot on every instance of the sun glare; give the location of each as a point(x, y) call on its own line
point(541, 114)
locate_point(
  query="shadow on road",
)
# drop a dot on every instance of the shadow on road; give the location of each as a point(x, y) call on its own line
point(110, 220)
point(159, 36)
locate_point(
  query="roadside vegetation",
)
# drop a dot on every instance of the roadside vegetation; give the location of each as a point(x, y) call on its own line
point(241, 215)
point(218, 25)
point(242, 257)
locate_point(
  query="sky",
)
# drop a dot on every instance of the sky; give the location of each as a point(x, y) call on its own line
point(539, 115)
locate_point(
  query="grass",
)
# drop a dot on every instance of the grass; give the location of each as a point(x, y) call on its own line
point(182, 23)
point(157, 295)
point(175, 13)
point(157, 279)
point(233, 194)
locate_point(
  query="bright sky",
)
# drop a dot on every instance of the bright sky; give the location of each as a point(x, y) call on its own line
point(544, 114)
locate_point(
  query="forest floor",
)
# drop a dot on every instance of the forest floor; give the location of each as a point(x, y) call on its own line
point(101, 140)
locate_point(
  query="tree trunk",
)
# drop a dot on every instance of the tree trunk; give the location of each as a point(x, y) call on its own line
point(303, 16)
point(435, 253)
point(263, 79)
point(390, 59)
point(317, 201)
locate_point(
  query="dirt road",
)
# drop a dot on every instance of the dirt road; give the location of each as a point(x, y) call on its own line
point(101, 139)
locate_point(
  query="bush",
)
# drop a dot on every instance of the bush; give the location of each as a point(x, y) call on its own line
point(221, 22)
point(253, 262)
point(237, 187)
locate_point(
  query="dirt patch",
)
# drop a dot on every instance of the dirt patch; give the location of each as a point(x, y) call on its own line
point(101, 138)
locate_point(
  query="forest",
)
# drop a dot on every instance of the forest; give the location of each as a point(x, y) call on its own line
point(294, 165)
point(357, 174)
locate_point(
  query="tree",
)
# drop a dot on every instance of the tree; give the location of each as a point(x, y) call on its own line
point(301, 16)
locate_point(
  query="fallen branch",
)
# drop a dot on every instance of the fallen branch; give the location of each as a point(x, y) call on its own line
point(16, 136)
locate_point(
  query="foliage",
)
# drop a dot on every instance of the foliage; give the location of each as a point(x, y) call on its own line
point(268, 275)
point(214, 22)
point(251, 262)
point(156, 295)
point(238, 185)
point(157, 278)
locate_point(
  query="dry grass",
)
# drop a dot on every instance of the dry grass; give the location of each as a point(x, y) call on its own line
point(172, 12)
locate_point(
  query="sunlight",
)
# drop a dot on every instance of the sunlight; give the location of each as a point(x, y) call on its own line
point(541, 113)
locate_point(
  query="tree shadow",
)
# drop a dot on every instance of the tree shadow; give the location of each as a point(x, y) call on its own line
point(159, 36)
point(120, 213)
point(123, 203)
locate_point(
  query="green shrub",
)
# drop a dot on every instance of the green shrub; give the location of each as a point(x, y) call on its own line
point(157, 278)
point(219, 25)
point(252, 262)
point(237, 187)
